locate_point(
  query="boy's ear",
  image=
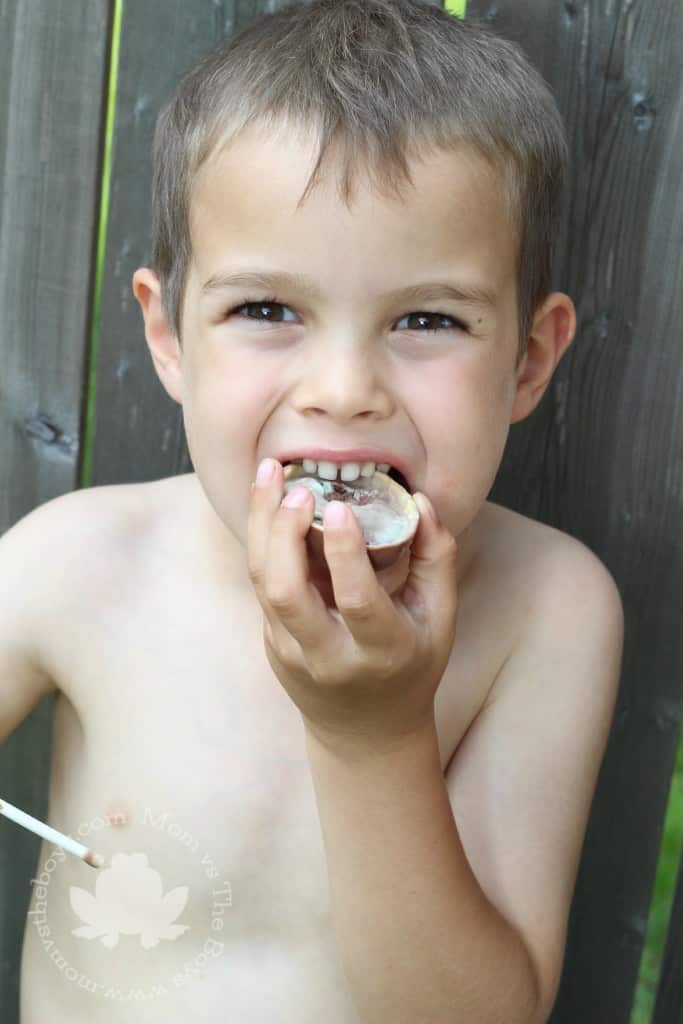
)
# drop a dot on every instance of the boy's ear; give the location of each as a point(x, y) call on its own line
point(552, 332)
point(162, 342)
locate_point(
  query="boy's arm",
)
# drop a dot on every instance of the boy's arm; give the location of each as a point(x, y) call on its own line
point(27, 551)
point(450, 898)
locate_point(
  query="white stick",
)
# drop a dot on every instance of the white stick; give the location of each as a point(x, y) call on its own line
point(47, 832)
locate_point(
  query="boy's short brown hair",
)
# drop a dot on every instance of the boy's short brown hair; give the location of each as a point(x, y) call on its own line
point(383, 80)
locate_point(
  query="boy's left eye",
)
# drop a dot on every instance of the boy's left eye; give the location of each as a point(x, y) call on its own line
point(269, 304)
point(432, 316)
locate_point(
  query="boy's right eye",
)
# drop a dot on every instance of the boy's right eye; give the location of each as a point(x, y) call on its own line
point(260, 305)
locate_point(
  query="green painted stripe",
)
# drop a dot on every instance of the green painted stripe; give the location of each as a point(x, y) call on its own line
point(101, 240)
point(456, 7)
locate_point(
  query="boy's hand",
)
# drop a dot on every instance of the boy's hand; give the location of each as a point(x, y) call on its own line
point(366, 672)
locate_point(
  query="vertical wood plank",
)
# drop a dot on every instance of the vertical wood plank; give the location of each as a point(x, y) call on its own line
point(138, 429)
point(602, 456)
point(52, 76)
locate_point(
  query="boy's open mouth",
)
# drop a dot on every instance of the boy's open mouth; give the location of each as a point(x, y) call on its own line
point(325, 471)
point(384, 509)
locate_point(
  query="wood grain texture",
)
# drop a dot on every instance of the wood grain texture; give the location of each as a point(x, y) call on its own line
point(53, 63)
point(602, 456)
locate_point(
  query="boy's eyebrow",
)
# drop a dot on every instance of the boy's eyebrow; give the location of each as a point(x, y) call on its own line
point(281, 279)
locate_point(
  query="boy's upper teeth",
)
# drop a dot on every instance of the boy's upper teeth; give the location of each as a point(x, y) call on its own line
point(349, 470)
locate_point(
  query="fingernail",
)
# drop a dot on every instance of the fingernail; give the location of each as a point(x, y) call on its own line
point(296, 497)
point(265, 472)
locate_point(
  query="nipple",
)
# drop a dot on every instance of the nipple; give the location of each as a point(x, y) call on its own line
point(118, 814)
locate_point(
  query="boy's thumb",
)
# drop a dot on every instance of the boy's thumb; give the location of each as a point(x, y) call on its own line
point(432, 562)
point(432, 543)
point(426, 509)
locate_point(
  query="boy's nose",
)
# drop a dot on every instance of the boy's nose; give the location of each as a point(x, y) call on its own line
point(344, 386)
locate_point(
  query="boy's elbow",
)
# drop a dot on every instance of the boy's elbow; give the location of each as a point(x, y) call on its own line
point(519, 999)
point(535, 1003)
point(527, 1001)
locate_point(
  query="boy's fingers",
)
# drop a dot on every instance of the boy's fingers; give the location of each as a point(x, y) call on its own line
point(287, 588)
point(293, 606)
point(263, 510)
point(286, 574)
point(367, 609)
point(278, 568)
point(433, 571)
point(264, 503)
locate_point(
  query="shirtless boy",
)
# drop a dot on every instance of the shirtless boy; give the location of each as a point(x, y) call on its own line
point(335, 794)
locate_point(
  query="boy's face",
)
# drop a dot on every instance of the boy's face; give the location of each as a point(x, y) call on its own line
point(351, 367)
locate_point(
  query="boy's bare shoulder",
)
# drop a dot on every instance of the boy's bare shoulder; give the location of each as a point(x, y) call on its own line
point(536, 561)
point(535, 536)
point(545, 576)
point(87, 527)
point(82, 522)
point(527, 589)
point(86, 541)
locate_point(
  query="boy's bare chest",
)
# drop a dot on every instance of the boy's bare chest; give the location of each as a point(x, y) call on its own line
point(174, 686)
point(180, 709)
point(173, 737)
point(176, 701)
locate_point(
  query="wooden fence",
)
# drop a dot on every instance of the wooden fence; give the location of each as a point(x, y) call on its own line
point(601, 458)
